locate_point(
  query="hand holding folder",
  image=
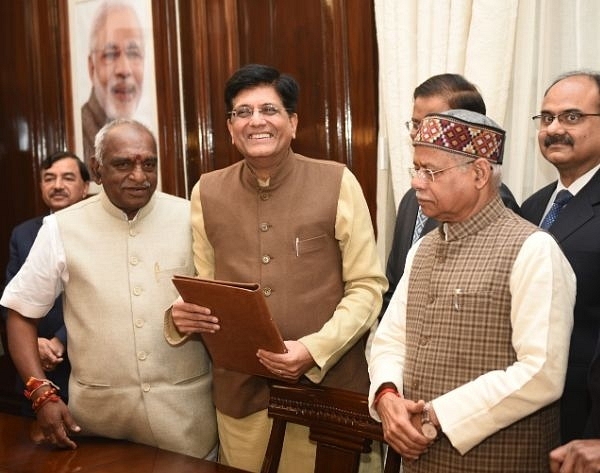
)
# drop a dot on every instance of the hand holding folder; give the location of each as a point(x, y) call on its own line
point(245, 321)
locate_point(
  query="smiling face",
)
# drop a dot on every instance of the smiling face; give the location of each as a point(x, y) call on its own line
point(129, 169)
point(116, 63)
point(573, 149)
point(264, 140)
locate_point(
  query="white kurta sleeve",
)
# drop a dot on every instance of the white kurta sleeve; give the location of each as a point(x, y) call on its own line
point(41, 279)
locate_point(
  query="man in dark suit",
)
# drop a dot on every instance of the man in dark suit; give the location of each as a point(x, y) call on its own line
point(583, 455)
point(569, 138)
point(437, 94)
point(64, 180)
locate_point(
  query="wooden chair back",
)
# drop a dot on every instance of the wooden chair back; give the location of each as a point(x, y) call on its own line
point(339, 423)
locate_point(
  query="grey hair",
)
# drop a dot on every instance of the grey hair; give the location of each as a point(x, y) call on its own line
point(100, 19)
point(496, 174)
point(594, 75)
point(101, 136)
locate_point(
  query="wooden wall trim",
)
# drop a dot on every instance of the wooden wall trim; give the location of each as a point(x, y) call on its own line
point(168, 93)
point(60, 24)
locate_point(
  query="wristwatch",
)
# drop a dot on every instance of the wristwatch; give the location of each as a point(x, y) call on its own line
point(429, 430)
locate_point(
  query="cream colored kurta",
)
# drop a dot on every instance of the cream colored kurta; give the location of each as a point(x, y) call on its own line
point(126, 380)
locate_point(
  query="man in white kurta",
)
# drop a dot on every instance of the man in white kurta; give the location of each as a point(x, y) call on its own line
point(114, 255)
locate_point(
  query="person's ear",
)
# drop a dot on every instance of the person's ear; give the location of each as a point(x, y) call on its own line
point(230, 132)
point(482, 170)
point(90, 64)
point(294, 124)
point(95, 165)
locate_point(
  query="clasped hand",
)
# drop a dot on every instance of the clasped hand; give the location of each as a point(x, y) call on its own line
point(578, 456)
point(401, 422)
point(51, 353)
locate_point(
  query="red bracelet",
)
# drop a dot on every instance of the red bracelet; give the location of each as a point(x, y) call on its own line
point(48, 396)
point(383, 392)
point(33, 384)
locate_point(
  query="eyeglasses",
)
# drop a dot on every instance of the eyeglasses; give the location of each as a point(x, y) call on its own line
point(429, 174)
point(112, 53)
point(568, 118)
point(244, 112)
point(412, 125)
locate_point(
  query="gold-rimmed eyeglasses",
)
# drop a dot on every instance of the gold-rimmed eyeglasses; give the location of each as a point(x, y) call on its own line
point(429, 174)
point(412, 125)
point(245, 111)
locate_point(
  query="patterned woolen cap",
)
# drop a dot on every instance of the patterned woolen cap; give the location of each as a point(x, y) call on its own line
point(462, 132)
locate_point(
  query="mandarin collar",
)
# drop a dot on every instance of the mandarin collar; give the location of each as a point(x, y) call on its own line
point(117, 213)
point(482, 219)
point(281, 171)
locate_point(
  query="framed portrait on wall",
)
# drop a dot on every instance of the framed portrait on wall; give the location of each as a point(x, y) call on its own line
point(112, 66)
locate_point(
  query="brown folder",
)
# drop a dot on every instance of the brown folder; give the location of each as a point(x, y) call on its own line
point(245, 320)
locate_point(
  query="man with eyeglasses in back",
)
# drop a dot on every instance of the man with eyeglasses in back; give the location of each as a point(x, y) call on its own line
point(115, 67)
point(569, 138)
point(64, 181)
point(469, 360)
point(435, 95)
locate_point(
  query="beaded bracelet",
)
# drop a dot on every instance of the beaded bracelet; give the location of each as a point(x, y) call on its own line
point(45, 397)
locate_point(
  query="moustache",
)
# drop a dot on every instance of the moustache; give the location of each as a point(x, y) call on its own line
point(558, 139)
point(58, 194)
point(123, 87)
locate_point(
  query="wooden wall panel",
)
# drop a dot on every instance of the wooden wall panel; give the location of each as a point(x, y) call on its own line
point(329, 50)
point(168, 95)
point(33, 94)
point(363, 97)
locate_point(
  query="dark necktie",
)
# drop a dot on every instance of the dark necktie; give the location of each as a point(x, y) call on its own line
point(559, 202)
point(419, 225)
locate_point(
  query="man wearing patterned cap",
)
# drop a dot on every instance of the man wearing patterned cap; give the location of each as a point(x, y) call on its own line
point(469, 360)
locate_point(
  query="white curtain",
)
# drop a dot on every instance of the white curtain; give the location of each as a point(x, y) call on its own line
point(511, 49)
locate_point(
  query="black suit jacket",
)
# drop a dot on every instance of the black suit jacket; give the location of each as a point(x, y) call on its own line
point(21, 241)
point(593, 426)
point(403, 233)
point(577, 230)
